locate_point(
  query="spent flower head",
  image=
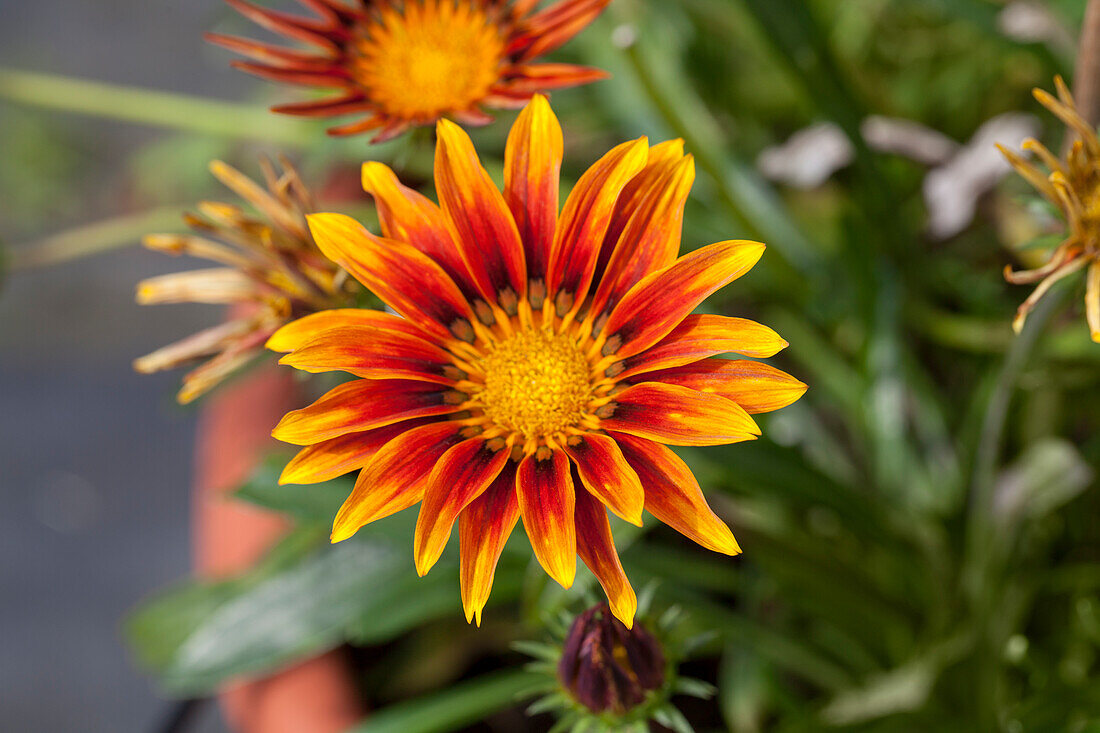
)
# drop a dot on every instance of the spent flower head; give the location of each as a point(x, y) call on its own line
point(538, 365)
point(401, 63)
point(1072, 185)
point(270, 269)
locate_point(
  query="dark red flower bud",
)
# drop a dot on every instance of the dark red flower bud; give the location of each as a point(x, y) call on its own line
point(606, 666)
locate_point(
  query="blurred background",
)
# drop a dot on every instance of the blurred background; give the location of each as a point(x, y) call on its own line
point(920, 531)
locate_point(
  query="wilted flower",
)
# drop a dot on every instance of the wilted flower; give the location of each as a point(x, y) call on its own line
point(1073, 185)
point(409, 62)
point(606, 666)
point(270, 266)
point(539, 364)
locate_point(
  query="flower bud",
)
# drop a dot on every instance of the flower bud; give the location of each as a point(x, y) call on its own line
point(606, 666)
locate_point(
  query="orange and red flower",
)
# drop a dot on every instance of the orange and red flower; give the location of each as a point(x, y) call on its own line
point(1073, 185)
point(539, 363)
point(410, 62)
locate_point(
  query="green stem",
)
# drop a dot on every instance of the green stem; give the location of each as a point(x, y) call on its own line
point(149, 107)
point(100, 236)
point(983, 548)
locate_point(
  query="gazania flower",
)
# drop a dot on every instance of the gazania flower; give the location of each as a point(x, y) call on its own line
point(409, 62)
point(1073, 185)
point(270, 268)
point(539, 363)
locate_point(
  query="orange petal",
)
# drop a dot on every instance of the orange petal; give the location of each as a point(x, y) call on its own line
point(679, 416)
point(337, 456)
point(673, 495)
point(585, 218)
point(607, 475)
point(297, 333)
point(553, 26)
point(409, 216)
point(394, 479)
point(651, 237)
point(404, 278)
point(597, 548)
point(545, 489)
point(532, 166)
point(483, 227)
point(459, 476)
point(373, 353)
point(360, 405)
point(483, 528)
point(700, 336)
point(663, 157)
point(662, 299)
point(755, 386)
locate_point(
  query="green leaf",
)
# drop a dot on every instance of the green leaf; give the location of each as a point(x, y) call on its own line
point(157, 629)
point(451, 709)
point(300, 611)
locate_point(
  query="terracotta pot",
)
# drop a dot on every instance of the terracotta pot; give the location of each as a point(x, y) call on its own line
point(313, 696)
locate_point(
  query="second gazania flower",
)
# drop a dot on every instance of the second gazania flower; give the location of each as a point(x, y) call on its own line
point(540, 363)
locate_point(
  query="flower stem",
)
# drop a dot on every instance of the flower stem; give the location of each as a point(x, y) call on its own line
point(150, 107)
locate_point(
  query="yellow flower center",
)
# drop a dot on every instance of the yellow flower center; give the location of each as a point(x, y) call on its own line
point(429, 57)
point(536, 383)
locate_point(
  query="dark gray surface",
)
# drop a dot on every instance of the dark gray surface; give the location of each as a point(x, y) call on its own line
point(95, 460)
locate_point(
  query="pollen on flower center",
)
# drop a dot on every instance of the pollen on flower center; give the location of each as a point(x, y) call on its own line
point(429, 57)
point(536, 383)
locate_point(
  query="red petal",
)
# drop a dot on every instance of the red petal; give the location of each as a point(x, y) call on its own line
point(342, 105)
point(550, 28)
point(673, 495)
point(373, 353)
point(404, 278)
point(650, 238)
point(285, 24)
point(528, 79)
point(483, 227)
point(363, 404)
point(597, 548)
point(408, 216)
point(390, 130)
point(394, 479)
point(371, 122)
point(607, 475)
point(662, 299)
point(297, 334)
point(545, 489)
point(333, 458)
point(483, 528)
point(332, 78)
point(268, 54)
point(755, 386)
point(700, 336)
point(532, 165)
point(459, 476)
point(584, 220)
point(679, 416)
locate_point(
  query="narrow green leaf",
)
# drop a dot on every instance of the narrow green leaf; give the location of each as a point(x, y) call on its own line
point(451, 709)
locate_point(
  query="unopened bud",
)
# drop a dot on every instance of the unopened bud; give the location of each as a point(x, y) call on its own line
point(606, 666)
